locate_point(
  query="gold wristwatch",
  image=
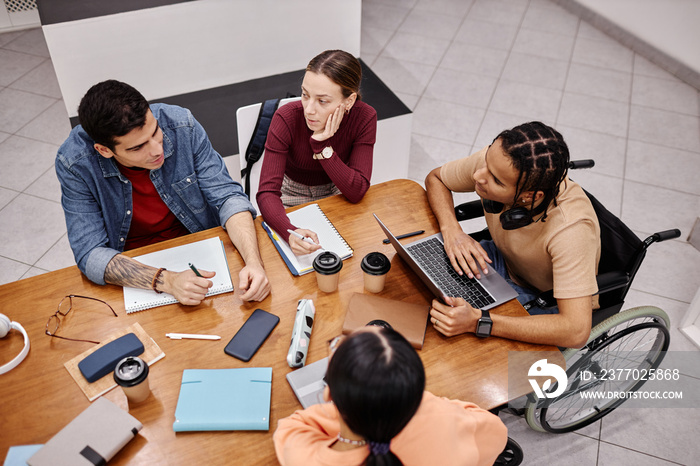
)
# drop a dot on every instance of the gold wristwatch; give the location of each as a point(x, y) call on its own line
point(326, 153)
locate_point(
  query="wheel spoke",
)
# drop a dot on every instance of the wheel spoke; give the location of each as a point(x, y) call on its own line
point(631, 345)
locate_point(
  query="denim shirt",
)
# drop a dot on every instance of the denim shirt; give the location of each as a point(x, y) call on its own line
point(96, 198)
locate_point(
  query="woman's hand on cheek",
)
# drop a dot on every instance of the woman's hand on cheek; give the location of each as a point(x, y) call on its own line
point(332, 124)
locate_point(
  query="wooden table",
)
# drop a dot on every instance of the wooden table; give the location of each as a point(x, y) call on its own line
point(39, 397)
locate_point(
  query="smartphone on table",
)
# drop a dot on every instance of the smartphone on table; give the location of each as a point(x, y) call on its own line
point(251, 335)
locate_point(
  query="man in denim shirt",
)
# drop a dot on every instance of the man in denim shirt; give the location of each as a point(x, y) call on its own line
point(133, 175)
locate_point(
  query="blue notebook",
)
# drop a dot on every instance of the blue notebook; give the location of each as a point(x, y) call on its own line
point(224, 399)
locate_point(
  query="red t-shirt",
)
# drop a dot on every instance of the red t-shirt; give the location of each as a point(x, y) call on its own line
point(151, 220)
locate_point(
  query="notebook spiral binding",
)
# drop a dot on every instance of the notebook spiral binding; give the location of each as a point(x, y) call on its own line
point(333, 228)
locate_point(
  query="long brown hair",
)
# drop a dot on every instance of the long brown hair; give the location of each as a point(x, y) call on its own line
point(341, 68)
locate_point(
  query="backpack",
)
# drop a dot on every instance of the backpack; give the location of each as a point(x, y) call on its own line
point(256, 146)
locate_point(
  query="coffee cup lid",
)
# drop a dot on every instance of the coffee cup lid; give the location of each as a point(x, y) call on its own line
point(328, 263)
point(375, 263)
point(130, 371)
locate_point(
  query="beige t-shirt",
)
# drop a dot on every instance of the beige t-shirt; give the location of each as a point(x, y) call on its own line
point(560, 253)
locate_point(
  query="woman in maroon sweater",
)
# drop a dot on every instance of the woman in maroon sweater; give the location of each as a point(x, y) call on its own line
point(319, 146)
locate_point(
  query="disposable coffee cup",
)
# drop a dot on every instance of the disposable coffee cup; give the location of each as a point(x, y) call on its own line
point(327, 266)
point(375, 266)
point(131, 373)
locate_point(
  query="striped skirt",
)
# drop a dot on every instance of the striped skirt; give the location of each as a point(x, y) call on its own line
point(294, 193)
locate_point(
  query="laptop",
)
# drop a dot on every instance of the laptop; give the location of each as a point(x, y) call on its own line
point(428, 259)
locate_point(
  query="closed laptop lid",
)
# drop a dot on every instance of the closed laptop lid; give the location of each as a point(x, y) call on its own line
point(409, 319)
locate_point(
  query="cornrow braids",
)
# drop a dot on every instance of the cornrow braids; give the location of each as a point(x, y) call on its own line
point(541, 157)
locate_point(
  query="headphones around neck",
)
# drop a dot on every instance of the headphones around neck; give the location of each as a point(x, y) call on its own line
point(5, 326)
point(513, 218)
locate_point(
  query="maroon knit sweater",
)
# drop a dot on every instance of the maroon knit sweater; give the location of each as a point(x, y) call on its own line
point(289, 150)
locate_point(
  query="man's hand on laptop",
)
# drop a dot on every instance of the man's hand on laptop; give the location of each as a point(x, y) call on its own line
point(455, 317)
point(465, 253)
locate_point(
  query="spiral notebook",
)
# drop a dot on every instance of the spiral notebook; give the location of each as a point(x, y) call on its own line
point(208, 254)
point(312, 218)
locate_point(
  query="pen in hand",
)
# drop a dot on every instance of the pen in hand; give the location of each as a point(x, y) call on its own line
point(406, 235)
point(301, 237)
point(194, 269)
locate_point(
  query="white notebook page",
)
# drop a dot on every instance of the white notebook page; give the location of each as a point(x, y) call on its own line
point(311, 217)
point(208, 254)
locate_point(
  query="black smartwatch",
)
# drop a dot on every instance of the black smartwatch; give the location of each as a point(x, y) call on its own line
point(484, 325)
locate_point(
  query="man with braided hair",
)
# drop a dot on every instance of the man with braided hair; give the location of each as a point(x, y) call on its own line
point(545, 236)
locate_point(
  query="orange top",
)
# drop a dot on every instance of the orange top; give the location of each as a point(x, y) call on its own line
point(444, 432)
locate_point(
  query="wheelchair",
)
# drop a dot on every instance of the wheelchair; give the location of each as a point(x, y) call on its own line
point(631, 339)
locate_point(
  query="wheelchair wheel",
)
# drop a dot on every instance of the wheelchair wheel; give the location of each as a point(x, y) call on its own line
point(633, 340)
point(512, 454)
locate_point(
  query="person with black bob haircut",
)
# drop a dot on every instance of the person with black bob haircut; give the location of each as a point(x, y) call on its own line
point(378, 413)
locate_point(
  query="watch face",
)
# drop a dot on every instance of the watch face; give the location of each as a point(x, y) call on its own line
point(327, 152)
point(483, 328)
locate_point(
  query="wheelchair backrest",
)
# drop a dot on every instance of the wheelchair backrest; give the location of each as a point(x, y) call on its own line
point(621, 250)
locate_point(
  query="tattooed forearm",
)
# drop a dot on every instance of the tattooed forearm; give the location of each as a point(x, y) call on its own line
point(126, 271)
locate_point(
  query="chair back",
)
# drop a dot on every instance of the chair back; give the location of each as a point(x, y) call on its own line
point(621, 251)
point(246, 117)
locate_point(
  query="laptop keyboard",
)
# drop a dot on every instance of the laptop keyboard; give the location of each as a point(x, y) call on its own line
point(431, 256)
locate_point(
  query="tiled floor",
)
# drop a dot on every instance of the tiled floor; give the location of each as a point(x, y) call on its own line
point(468, 69)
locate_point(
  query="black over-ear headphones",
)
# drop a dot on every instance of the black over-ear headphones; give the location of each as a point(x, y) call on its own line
point(513, 218)
point(5, 326)
point(518, 217)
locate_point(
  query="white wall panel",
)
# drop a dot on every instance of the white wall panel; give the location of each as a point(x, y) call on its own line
point(392, 148)
point(190, 46)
